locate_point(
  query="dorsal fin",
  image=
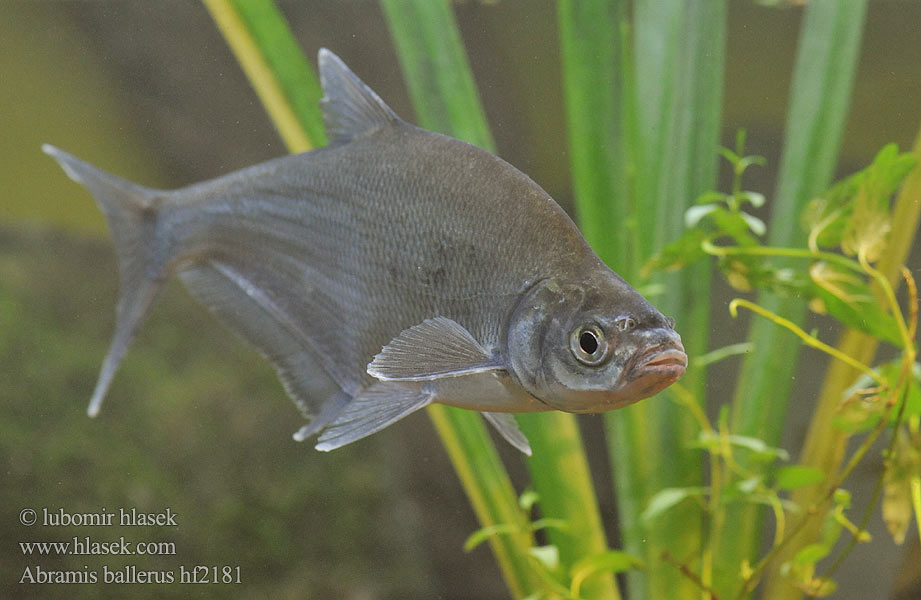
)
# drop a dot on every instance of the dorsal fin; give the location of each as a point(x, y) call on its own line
point(350, 108)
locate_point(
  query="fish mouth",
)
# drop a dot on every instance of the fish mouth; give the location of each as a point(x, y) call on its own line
point(667, 362)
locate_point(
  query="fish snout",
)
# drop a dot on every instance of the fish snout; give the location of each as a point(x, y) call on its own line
point(664, 359)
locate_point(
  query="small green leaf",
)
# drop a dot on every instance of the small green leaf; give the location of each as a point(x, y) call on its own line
point(548, 556)
point(760, 449)
point(610, 561)
point(683, 251)
point(712, 197)
point(755, 224)
point(667, 498)
point(730, 156)
point(842, 498)
point(528, 499)
point(797, 476)
point(850, 300)
point(749, 485)
point(811, 554)
point(694, 214)
point(855, 212)
point(484, 533)
point(734, 225)
point(754, 198)
point(549, 523)
point(747, 161)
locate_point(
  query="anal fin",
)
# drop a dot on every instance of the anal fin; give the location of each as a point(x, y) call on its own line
point(376, 407)
point(330, 410)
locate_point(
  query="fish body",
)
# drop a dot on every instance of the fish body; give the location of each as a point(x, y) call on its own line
point(393, 268)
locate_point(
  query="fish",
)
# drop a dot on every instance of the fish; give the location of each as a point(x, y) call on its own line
point(391, 269)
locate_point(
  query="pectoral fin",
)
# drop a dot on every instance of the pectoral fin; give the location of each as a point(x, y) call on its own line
point(507, 426)
point(375, 408)
point(433, 349)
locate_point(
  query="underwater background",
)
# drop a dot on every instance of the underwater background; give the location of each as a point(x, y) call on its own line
point(196, 421)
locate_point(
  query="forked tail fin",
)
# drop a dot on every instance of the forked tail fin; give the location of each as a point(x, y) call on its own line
point(131, 212)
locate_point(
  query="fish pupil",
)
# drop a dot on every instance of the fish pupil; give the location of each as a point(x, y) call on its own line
point(588, 342)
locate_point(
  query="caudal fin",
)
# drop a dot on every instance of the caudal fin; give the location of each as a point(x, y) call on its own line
point(131, 211)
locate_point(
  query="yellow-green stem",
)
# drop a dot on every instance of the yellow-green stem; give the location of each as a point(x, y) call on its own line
point(260, 74)
point(807, 339)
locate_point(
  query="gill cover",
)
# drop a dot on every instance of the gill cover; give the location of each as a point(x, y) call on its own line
point(538, 314)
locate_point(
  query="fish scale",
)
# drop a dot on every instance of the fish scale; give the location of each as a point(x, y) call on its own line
point(394, 268)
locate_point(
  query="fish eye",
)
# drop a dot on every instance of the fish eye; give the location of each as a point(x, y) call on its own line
point(588, 345)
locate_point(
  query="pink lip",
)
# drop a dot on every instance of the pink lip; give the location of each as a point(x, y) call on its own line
point(659, 367)
point(657, 358)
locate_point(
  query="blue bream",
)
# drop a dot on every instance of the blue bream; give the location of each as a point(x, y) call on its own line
point(394, 268)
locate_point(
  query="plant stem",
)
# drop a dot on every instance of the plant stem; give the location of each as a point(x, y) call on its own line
point(269, 55)
point(807, 339)
point(490, 493)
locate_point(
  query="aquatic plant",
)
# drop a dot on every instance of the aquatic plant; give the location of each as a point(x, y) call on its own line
point(643, 94)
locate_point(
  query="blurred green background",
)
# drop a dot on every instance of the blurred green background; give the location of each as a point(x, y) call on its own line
point(196, 421)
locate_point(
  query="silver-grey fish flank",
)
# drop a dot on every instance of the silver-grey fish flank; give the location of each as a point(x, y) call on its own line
point(394, 268)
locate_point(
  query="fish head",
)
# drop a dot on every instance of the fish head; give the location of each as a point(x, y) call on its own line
point(593, 346)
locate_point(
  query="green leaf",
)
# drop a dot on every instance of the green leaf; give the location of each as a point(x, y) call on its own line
point(712, 441)
point(550, 523)
point(548, 556)
point(280, 73)
point(694, 214)
point(528, 499)
point(862, 411)
point(667, 498)
point(610, 561)
point(734, 225)
point(831, 217)
point(902, 465)
point(842, 498)
point(683, 251)
point(851, 300)
point(596, 87)
point(796, 476)
point(755, 224)
point(485, 533)
point(712, 197)
point(754, 198)
point(868, 227)
point(749, 485)
point(811, 554)
point(436, 70)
